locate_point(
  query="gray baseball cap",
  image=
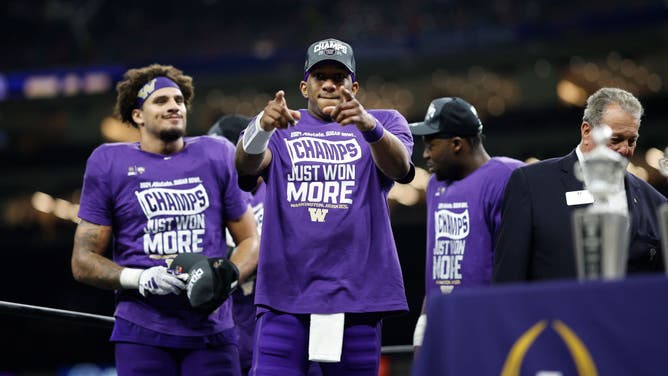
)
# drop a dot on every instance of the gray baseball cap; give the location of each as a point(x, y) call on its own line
point(449, 116)
point(330, 50)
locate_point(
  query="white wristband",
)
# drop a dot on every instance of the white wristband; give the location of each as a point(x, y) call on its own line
point(256, 139)
point(418, 334)
point(130, 278)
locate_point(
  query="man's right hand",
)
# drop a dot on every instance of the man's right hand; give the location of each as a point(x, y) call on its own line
point(159, 280)
point(277, 114)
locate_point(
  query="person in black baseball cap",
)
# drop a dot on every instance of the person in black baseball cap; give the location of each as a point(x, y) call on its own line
point(466, 189)
point(449, 116)
point(452, 135)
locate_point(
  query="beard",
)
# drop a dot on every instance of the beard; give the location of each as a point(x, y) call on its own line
point(171, 135)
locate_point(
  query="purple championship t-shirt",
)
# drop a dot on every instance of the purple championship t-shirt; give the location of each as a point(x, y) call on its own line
point(160, 206)
point(327, 244)
point(463, 217)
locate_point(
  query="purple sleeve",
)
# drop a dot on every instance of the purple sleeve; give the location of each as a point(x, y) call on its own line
point(497, 191)
point(96, 201)
point(398, 126)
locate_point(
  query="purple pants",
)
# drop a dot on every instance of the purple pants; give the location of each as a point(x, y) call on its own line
point(281, 346)
point(136, 359)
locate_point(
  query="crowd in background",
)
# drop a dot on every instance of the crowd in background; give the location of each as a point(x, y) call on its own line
point(106, 32)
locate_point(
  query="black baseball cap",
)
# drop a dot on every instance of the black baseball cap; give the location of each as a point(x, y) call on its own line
point(330, 50)
point(229, 126)
point(449, 116)
point(210, 281)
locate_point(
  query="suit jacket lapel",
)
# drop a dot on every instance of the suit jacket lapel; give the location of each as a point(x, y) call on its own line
point(568, 179)
point(632, 197)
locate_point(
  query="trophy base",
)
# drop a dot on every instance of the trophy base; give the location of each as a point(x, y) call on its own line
point(601, 244)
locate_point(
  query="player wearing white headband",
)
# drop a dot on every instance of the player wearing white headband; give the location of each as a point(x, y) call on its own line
point(147, 202)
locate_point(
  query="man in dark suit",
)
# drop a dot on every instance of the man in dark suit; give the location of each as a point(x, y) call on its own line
point(535, 241)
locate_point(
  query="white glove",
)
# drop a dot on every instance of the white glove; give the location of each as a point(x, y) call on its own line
point(157, 280)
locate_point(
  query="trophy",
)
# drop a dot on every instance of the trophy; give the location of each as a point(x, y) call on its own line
point(662, 212)
point(601, 231)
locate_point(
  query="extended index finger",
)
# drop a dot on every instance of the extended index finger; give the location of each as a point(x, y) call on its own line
point(280, 97)
point(285, 110)
point(346, 95)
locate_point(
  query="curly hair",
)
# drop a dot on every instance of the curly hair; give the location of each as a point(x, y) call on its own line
point(135, 79)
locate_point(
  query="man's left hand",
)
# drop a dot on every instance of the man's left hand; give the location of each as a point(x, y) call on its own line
point(350, 111)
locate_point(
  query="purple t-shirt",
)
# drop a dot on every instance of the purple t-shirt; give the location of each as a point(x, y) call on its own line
point(327, 244)
point(463, 217)
point(160, 206)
